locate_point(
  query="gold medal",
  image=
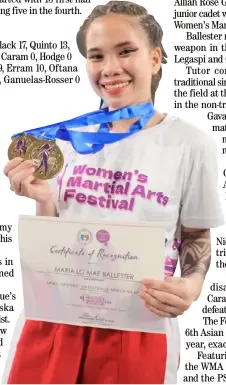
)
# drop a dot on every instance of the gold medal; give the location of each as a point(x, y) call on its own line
point(19, 146)
point(47, 158)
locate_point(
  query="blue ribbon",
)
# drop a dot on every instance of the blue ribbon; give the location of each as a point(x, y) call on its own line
point(92, 142)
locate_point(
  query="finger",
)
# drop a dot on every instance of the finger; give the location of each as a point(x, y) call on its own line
point(158, 312)
point(161, 306)
point(26, 185)
point(11, 165)
point(171, 286)
point(19, 182)
point(152, 282)
point(174, 310)
point(18, 177)
point(22, 166)
point(169, 299)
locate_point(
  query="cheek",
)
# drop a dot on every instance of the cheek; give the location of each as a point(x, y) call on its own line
point(144, 74)
point(140, 68)
point(93, 79)
point(92, 74)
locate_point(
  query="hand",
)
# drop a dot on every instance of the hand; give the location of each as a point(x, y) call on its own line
point(23, 182)
point(168, 298)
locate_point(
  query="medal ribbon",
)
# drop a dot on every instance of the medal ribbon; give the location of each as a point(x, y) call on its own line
point(92, 142)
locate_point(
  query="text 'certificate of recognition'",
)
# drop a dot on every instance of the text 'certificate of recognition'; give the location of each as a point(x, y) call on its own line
point(90, 274)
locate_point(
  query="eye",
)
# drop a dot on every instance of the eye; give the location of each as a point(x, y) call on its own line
point(96, 57)
point(127, 51)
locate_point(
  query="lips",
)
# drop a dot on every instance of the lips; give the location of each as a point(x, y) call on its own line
point(114, 85)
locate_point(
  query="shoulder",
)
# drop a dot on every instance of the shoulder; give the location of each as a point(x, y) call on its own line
point(193, 138)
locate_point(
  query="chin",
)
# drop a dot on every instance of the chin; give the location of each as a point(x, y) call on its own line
point(116, 104)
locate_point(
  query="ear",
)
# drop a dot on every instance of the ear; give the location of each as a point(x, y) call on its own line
point(156, 60)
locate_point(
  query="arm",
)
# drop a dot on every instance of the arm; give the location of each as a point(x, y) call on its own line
point(175, 295)
point(47, 209)
point(195, 257)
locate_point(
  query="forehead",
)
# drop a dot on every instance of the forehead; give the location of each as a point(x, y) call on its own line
point(109, 30)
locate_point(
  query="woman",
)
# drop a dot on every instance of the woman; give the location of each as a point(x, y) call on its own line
point(123, 47)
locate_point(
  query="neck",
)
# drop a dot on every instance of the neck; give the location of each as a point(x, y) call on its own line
point(124, 125)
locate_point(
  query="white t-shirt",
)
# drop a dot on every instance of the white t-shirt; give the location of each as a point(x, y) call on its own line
point(165, 173)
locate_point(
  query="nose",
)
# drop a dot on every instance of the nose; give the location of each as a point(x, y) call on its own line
point(111, 66)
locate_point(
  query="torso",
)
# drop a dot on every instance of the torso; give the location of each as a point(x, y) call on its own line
point(139, 179)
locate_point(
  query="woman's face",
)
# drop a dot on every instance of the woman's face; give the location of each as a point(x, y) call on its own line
point(120, 63)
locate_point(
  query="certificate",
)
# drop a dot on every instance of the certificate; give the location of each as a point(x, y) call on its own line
point(89, 274)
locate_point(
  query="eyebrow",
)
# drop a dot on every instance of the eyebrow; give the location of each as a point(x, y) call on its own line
point(116, 46)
